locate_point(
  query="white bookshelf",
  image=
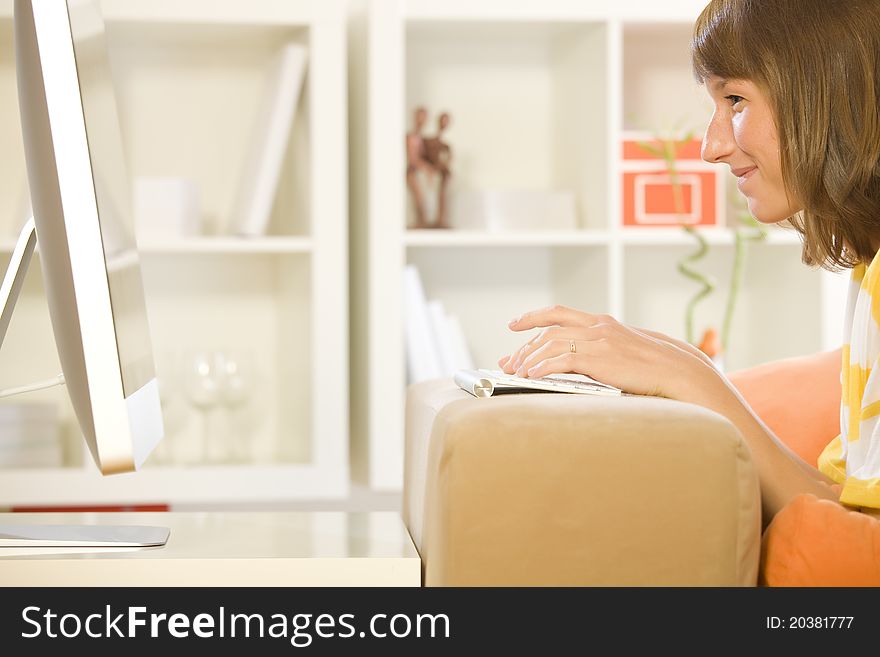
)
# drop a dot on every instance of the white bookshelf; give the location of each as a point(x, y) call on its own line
point(188, 75)
point(539, 93)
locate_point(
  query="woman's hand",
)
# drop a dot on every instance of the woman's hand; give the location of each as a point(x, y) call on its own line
point(634, 360)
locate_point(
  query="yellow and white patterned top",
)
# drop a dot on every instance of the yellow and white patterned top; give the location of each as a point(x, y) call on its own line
point(853, 458)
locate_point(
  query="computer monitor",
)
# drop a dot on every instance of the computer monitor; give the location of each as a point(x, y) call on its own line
point(83, 221)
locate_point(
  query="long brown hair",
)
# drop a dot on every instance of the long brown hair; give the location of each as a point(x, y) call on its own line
point(818, 61)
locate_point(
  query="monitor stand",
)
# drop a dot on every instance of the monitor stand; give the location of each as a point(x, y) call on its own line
point(15, 272)
point(98, 536)
point(41, 536)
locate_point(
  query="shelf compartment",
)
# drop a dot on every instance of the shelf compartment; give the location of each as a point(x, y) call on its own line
point(188, 98)
point(178, 115)
point(260, 309)
point(526, 103)
point(257, 306)
point(660, 93)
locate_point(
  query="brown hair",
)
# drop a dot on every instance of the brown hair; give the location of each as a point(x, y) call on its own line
point(818, 61)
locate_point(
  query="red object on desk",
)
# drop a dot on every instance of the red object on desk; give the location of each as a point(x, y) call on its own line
point(90, 509)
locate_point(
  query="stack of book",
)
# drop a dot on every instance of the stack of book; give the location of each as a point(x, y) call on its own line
point(29, 436)
point(435, 342)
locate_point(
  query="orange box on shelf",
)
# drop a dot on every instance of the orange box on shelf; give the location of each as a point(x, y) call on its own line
point(650, 197)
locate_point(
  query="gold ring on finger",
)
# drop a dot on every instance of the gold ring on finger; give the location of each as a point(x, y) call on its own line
point(572, 347)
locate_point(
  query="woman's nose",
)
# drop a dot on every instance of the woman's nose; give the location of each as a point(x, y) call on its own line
point(718, 142)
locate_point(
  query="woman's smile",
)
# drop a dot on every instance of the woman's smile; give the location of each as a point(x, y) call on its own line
point(743, 174)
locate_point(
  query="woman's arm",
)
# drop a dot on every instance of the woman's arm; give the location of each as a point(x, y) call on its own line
point(783, 475)
point(798, 398)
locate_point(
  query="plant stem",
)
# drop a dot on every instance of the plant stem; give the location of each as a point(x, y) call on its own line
point(707, 282)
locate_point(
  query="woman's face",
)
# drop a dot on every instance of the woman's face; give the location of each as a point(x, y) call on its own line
point(742, 134)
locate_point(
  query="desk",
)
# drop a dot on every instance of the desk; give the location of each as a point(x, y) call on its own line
point(226, 549)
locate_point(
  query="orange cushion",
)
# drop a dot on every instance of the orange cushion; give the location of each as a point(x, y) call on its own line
point(797, 398)
point(814, 542)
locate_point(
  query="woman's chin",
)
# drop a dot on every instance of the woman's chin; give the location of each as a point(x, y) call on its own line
point(767, 215)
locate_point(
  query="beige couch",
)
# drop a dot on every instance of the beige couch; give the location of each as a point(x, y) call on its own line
point(554, 489)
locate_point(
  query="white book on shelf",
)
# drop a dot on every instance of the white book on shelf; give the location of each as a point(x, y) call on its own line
point(461, 353)
point(449, 337)
point(271, 134)
point(442, 340)
point(422, 358)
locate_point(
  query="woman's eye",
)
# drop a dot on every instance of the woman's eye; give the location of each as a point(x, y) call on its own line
point(734, 99)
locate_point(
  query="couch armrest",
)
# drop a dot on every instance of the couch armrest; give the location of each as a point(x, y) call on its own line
point(556, 489)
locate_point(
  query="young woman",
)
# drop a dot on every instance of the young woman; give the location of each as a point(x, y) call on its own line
point(796, 92)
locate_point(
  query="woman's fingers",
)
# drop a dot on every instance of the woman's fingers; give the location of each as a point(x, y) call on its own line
point(517, 357)
point(548, 350)
point(514, 364)
point(554, 316)
point(552, 319)
point(555, 341)
point(560, 363)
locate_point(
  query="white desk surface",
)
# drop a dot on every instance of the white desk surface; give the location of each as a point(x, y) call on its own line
point(226, 549)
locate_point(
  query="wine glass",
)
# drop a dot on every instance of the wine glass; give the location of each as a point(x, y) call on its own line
point(167, 383)
point(237, 384)
point(204, 380)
